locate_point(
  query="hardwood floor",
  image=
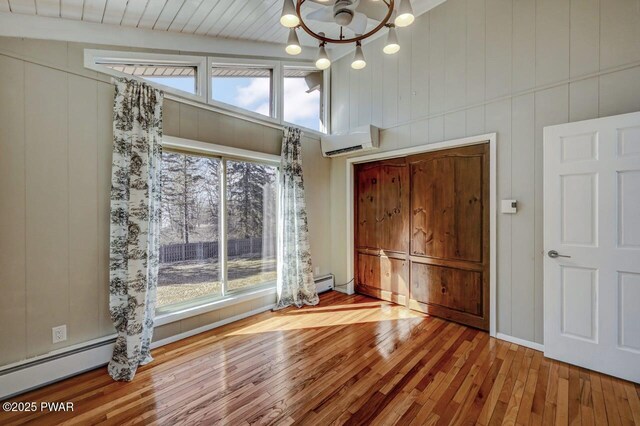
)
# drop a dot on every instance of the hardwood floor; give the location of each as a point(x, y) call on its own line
point(351, 360)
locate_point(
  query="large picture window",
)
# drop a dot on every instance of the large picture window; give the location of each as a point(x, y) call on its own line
point(218, 228)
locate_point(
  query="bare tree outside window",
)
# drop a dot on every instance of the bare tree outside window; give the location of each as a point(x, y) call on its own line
point(251, 213)
point(190, 265)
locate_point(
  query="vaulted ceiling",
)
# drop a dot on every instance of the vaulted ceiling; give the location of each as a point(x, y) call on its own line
point(256, 20)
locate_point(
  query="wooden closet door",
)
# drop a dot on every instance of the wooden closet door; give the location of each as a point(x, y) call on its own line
point(382, 229)
point(449, 234)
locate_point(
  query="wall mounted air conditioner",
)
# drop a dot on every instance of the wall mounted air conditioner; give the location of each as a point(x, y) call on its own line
point(360, 139)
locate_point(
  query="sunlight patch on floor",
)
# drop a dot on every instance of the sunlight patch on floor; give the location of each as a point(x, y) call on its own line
point(331, 316)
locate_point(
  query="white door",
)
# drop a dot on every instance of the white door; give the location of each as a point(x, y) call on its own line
point(592, 244)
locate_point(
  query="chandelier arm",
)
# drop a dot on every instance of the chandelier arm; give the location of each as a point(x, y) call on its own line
point(324, 39)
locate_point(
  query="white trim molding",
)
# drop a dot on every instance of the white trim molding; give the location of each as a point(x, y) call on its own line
point(97, 60)
point(493, 211)
point(276, 92)
point(222, 150)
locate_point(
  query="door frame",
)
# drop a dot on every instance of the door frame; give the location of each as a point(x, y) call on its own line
point(427, 147)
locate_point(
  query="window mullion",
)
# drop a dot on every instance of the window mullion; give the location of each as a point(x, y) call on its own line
point(223, 226)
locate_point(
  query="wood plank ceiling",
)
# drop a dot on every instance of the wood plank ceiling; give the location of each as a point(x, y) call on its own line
point(241, 19)
point(256, 20)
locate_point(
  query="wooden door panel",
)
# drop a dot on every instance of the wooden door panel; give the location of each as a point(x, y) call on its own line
point(456, 289)
point(368, 270)
point(450, 234)
point(446, 206)
point(367, 207)
point(383, 277)
point(382, 227)
point(392, 219)
point(422, 232)
point(382, 205)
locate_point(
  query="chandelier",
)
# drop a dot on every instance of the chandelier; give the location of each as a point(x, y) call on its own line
point(351, 18)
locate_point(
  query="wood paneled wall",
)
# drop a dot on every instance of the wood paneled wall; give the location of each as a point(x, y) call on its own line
point(55, 172)
point(470, 67)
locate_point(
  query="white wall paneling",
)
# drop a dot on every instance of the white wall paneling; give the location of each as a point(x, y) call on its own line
point(498, 118)
point(390, 88)
point(56, 141)
point(619, 32)
point(552, 40)
point(455, 46)
point(584, 37)
point(523, 279)
point(437, 30)
point(475, 48)
point(505, 66)
point(498, 43)
point(524, 45)
point(12, 225)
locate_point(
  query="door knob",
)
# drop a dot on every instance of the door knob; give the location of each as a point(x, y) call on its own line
point(553, 254)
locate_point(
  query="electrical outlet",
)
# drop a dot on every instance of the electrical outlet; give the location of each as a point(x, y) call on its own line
point(59, 333)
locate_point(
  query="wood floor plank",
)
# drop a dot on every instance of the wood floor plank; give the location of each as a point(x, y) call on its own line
point(350, 360)
point(597, 398)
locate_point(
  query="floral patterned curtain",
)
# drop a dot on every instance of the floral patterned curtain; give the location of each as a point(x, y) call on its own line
point(135, 220)
point(295, 277)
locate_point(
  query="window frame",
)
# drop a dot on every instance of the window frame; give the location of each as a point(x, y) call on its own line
point(94, 59)
point(202, 304)
point(276, 86)
point(324, 96)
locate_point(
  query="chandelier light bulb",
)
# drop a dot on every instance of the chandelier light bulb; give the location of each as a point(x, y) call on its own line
point(289, 18)
point(293, 44)
point(358, 59)
point(322, 61)
point(405, 14)
point(391, 46)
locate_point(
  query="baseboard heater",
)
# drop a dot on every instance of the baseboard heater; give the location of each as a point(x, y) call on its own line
point(52, 368)
point(71, 361)
point(325, 283)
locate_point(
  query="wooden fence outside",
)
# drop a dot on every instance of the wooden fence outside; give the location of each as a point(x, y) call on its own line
point(209, 250)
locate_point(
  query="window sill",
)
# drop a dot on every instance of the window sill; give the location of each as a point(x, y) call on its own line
point(233, 299)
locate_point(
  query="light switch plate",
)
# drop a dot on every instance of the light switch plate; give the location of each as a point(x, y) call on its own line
point(509, 206)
